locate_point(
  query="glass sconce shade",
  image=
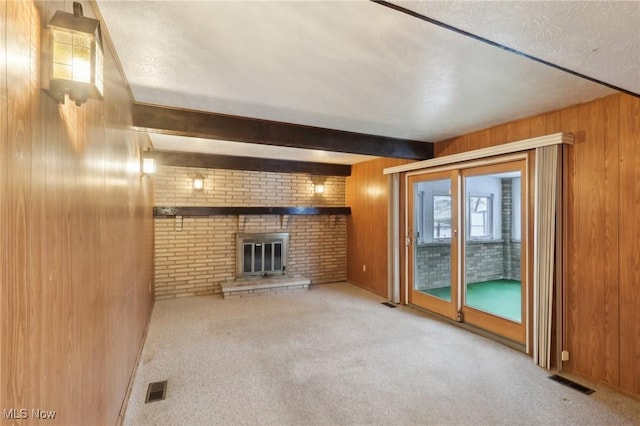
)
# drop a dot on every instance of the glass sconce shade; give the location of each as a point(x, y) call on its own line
point(73, 60)
point(198, 183)
point(148, 166)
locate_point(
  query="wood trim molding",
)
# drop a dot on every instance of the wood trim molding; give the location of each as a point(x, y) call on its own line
point(230, 162)
point(508, 148)
point(167, 211)
point(209, 125)
point(127, 395)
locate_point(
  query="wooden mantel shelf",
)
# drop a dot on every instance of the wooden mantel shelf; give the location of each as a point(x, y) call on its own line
point(166, 211)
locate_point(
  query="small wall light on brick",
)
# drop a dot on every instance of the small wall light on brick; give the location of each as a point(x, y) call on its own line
point(198, 182)
point(148, 164)
point(318, 188)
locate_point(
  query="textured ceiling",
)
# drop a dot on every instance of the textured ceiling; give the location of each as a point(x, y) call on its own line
point(599, 39)
point(363, 67)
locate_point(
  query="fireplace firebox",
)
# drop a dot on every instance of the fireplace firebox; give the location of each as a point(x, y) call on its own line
point(261, 254)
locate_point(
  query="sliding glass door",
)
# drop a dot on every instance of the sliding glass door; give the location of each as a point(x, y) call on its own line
point(494, 240)
point(468, 266)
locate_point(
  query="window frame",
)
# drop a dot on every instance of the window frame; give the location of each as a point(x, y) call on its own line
point(434, 239)
point(488, 219)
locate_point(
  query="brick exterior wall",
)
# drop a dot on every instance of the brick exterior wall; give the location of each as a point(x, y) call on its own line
point(515, 271)
point(433, 266)
point(511, 248)
point(484, 261)
point(194, 255)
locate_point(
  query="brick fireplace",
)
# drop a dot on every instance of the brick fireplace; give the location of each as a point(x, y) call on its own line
point(197, 255)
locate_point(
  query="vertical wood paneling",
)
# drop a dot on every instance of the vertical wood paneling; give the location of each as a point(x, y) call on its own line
point(592, 286)
point(76, 247)
point(51, 339)
point(538, 126)
point(552, 122)
point(37, 207)
point(17, 304)
point(4, 153)
point(498, 135)
point(602, 295)
point(611, 244)
point(518, 130)
point(368, 197)
point(629, 192)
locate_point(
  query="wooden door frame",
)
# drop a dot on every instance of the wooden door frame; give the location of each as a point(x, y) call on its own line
point(434, 304)
point(522, 148)
point(506, 328)
point(527, 179)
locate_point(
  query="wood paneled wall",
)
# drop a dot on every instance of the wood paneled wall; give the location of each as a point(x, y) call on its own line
point(76, 236)
point(602, 284)
point(629, 242)
point(368, 197)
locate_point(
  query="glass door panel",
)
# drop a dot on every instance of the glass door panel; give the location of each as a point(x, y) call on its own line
point(493, 230)
point(433, 235)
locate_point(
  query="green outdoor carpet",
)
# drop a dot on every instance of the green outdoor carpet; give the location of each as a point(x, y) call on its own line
point(498, 297)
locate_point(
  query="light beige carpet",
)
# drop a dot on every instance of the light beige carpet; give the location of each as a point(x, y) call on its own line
point(336, 356)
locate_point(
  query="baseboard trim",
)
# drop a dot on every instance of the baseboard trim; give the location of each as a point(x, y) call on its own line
point(127, 395)
point(596, 384)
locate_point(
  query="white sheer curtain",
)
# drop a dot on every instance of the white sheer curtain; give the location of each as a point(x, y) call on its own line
point(544, 243)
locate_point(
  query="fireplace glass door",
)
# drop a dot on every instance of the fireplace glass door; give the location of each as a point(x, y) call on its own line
point(262, 258)
point(261, 254)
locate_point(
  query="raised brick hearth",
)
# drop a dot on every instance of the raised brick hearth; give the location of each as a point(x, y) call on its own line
point(264, 286)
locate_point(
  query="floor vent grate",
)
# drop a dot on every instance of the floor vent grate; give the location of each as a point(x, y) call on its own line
point(389, 304)
point(156, 391)
point(577, 386)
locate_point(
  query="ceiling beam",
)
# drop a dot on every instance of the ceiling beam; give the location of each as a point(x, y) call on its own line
point(229, 162)
point(208, 125)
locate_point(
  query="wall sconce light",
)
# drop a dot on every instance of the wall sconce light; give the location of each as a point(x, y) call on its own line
point(73, 60)
point(198, 182)
point(148, 166)
point(318, 188)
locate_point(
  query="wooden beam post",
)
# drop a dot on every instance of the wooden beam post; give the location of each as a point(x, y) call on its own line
point(230, 162)
point(208, 125)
